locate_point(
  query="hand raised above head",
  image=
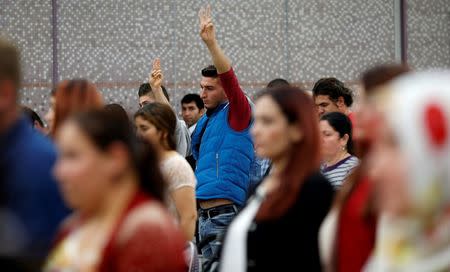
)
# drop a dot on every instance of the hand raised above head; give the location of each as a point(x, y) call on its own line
point(156, 76)
point(207, 31)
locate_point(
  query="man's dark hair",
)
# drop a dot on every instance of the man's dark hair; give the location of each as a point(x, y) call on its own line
point(145, 89)
point(193, 98)
point(382, 74)
point(334, 88)
point(210, 71)
point(32, 116)
point(278, 82)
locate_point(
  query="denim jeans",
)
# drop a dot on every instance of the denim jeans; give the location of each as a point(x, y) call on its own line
point(213, 229)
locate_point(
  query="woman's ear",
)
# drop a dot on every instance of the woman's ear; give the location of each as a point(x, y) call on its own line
point(344, 140)
point(118, 157)
point(295, 134)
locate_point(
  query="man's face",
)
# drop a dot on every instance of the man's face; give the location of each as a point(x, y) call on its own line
point(212, 92)
point(146, 99)
point(191, 113)
point(7, 96)
point(324, 104)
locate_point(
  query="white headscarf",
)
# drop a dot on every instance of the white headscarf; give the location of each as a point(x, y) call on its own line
point(417, 110)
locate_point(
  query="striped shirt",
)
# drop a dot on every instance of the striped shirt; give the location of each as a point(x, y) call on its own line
point(338, 172)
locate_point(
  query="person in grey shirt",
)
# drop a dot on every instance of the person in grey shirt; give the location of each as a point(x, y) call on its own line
point(182, 137)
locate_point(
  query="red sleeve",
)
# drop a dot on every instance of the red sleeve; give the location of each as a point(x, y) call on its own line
point(240, 112)
point(152, 248)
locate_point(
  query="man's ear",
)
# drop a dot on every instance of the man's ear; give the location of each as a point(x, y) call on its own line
point(340, 102)
point(36, 124)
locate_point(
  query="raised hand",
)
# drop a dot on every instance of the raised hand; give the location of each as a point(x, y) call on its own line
point(207, 31)
point(156, 76)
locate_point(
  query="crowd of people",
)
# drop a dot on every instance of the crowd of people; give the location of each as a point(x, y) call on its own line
point(294, 180)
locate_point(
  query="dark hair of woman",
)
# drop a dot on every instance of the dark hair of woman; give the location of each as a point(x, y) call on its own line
point(163, 118)
point(104, 128)
point(341, 124)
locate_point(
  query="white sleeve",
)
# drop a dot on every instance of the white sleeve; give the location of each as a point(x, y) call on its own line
point(179, 173)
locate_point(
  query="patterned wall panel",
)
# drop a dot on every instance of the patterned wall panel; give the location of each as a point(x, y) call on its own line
point(28, 24)
point(112, 43)
point(429, 34)
point(339, 38)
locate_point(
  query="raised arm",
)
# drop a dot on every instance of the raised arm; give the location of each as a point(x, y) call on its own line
point(240, 112)
point(181, 132)
point(208, 35)
point(155, 80)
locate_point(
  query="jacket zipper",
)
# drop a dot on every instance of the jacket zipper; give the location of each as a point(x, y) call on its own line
point(217, 165)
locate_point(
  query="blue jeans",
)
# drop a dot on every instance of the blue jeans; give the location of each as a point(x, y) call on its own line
point(212, 232)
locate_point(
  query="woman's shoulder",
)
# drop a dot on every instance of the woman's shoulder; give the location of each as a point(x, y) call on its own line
point(175, 161)
point(179, 173)
point(148, 240)
point(150, 215)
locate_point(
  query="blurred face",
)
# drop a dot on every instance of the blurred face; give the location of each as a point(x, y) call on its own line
point(388, 169)
point(191, 113)
point(7, 97)
point(146, 99)
point(212, 92)
point(332, 143)
point(147, 131)
point(324, 104)
point(273, 136)
point(50, 115)
point(84, 173)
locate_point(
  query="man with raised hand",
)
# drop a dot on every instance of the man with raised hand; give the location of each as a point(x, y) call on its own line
point(182, 136)
point(221, 144)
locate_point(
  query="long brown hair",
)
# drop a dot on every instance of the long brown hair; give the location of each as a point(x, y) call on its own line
point(304, 158)
point(163, 118)
point(72, 96)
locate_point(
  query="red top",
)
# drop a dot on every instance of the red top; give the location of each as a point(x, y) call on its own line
point(240, 112)
point(138, 243)
point(356, 234)
point(352, 118)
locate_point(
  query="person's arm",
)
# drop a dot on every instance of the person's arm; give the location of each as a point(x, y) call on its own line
point(155, 80)
point(240, 112)
point(184, 199)
point(181, 133)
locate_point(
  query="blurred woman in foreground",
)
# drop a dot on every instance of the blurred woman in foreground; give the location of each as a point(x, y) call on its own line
point(290, 204)
point(115, 188)
point(410, 167)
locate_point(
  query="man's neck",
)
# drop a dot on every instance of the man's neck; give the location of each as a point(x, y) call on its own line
point(212, 110)
point(8, 119)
